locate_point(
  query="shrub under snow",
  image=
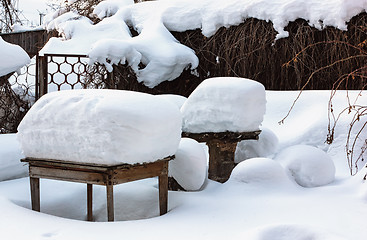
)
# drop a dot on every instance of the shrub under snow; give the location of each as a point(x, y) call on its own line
point(309, 166)
point(259, 170)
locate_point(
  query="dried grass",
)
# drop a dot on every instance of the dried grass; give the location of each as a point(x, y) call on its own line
point(248, 50)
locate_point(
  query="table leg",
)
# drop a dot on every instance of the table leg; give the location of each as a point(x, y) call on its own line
point(110, 208)
point(90, 202)
point(35, 193)
point(163, 191)
point(221, 160)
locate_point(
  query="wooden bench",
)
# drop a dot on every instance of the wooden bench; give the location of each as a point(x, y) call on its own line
point(222, 147)
point(107, 175)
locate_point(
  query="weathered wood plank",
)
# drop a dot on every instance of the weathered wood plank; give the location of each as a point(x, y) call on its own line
point(87, 166)
point(137, 173)
point(35, 193)
point(68, 175)
point(221, 160)
point(223, 136)
point(30, 41)
point(89, 202)
point(110, 206)
point(163, 190)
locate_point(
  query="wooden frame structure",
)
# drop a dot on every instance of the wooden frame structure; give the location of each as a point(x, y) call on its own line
point(222, 147)
point(107, 175)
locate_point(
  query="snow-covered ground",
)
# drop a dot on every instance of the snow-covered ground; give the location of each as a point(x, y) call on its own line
point(261, 201)
point(285, 191)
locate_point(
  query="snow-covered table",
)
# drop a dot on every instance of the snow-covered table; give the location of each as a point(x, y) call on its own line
point(101, 174)
point(222, 111)
point(222, 147)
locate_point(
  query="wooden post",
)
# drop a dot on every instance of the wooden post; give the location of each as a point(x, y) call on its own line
point(90, 202)
point(110, 207)
point(163, 190)
point(35, 193)
point(221, 160)
point(42, 76)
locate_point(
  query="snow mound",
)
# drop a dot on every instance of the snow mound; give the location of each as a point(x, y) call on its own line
point(309, 166)
point(178, 100)
point(264, 147)
point(189, 166)
point(290, 232)
point(259, 171)
point(12, 57)
point(224, 104)
point(10, 156)
point(101, 126)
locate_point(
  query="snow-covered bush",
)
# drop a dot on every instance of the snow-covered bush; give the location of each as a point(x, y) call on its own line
point(189, 167)
point(224, 104)
point(265, 146)
point(354, 77)
point(101, 126)
point(307, 165)
point(259, 171)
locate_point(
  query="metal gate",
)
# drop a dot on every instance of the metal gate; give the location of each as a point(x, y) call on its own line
point(55, 72)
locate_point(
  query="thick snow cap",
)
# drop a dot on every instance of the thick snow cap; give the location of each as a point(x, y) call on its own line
point(224, 104)
point(12, 57)
point(101, 126)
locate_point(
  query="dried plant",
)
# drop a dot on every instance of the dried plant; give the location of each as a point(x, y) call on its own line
point(9, 15)
point(357, 131)
point(12, 107)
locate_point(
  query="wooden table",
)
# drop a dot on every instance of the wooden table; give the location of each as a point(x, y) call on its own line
point(100, 174)
point(222, 147)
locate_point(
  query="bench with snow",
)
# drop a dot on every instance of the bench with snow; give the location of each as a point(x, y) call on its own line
point(223, 111)
point(104, 137)
point(222, 147)
point(100, 174)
